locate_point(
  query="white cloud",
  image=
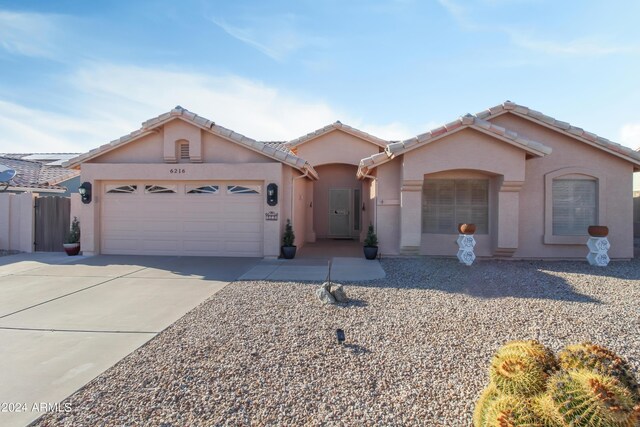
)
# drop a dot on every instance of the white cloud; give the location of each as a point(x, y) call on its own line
point(577, 47)
point(29, 34)
point(275, 36)
point(109, 100)
point(630, 135)
point(466, 16)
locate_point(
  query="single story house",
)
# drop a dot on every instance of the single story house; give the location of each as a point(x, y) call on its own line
point(183, 185)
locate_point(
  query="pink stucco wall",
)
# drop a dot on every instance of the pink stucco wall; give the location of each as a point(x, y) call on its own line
point(144, 159)
point(517, 212)
point(614, 190)
point(336, 147)
point(17, 221)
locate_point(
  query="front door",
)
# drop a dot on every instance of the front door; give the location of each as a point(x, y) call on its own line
point(339, 212)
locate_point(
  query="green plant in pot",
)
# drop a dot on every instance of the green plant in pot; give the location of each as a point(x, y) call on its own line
point(288, 248)
point(72, 240)
point(371, 244)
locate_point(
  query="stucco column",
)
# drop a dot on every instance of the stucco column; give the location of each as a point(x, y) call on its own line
point(89, 217)
point(410, 217)
point(508, 218)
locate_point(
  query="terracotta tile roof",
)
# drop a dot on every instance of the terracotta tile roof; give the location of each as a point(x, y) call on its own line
point(573, 131)
point(396, 148)
point(341, 126)
point(36, 175)
point(268, 149)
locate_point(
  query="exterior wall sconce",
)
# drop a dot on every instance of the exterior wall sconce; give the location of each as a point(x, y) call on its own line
point(85, 192)
point(272, 194)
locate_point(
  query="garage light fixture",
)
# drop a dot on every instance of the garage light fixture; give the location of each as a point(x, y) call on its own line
point(272, 194)
point(85, 192)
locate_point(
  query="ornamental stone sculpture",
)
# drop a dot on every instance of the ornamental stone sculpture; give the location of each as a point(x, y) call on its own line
point(466, 243)
point(598, 245)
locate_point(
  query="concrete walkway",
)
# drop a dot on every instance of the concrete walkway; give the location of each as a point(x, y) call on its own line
point(64, 320)
point(345, 269)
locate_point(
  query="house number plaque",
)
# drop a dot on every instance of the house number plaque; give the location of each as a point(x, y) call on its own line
point(271, 216)
point(177, 170)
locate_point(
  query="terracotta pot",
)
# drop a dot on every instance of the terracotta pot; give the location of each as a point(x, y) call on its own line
point(370, 252)
point(71, 248)
point(466, 228)
point(289, 252)
point(598, 231)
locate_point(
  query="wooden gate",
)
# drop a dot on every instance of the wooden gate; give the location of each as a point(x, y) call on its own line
point(51, 223)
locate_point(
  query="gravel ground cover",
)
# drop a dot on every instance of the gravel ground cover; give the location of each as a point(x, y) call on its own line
point(417, 349)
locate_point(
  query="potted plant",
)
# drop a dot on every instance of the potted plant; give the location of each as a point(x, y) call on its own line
point(72, 240)
point(288, 248)
point(371, 244)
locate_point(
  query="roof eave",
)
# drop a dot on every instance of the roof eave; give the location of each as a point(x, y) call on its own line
point(517, 109)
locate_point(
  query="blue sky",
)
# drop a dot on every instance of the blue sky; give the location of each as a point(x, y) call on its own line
point(78, 74)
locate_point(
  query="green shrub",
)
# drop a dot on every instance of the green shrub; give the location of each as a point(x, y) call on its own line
point(288, 238)
point(371, 239)
point(73, 235)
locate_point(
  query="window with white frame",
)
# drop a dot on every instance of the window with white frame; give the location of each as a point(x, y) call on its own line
point(575, 206)
point(449, 202)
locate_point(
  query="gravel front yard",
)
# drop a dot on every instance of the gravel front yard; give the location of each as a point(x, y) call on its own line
point(418, 345)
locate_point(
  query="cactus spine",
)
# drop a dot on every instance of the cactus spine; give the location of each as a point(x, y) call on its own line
point(517, 374)
point(601, 360)
point(588, 399)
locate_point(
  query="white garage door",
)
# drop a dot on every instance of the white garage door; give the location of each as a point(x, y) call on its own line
point(182, 218)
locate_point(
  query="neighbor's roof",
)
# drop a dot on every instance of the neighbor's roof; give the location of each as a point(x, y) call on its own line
point(35, 175)
point(397, 148)
point(50, 159)
point(563, 127)
point(340, 126)
point(268, 149)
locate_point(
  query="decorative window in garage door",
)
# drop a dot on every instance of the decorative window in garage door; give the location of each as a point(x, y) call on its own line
point(159, 189)
point(121, 189)
point(239, 189)
point(204, 189)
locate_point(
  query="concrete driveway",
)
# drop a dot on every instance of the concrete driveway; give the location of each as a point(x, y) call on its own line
point(64, 320)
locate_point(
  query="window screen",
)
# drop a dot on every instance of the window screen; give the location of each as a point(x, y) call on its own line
point(448, 202)
point(574, 206)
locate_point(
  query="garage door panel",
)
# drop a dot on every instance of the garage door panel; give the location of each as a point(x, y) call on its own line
point(156, 226)
point(178, 223)
point(160, 245)
point(202, 246)
point(118, 226)
point(242, 247)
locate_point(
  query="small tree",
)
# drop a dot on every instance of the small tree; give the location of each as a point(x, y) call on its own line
point(289, 238)
point(73, 236)
point(371, 240)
